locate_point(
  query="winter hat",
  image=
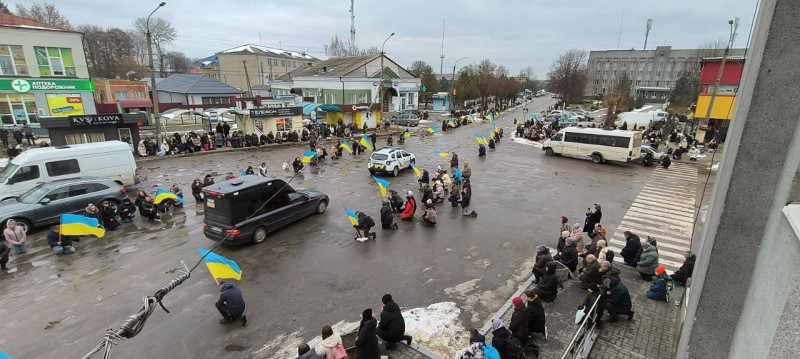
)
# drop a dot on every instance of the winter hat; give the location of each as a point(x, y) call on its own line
point(497, 324)
point(570, 241)
point(661, 270)
point(565, 234)
point(576, 226)
point(517, 301)
point(601, 243)
point(530, 293)
point(645, 245)
point(386, 298)
point(366, 314)
point(564, 219)
point(410, 193)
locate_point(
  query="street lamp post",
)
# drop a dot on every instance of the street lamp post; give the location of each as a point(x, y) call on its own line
point(453, 80)
point(380, 87)
point(153, 92)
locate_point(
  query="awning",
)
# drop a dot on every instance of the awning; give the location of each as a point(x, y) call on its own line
point(309, 107)
point(143, 103)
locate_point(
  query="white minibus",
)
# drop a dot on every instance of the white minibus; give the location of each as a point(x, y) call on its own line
point(595, 143)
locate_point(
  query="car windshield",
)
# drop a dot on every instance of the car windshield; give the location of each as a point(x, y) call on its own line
point(33, 194)
point(379, 156)
point(7, 172)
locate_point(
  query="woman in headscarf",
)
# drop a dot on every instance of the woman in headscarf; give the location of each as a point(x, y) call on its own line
point(593, 216)
point(141, 149)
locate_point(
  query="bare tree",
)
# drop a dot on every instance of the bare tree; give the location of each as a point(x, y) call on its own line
point(4, 8)
point(527, 78)
point(44, 13)
point(176, 62)
point(341, 48)
point(162, 33)
point(424, 72)
point(105, 49)
point(711, 48)
point(615, 101)
point(568, 75)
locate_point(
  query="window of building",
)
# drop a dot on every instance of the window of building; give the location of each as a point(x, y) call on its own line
point(351, 99)
point(12, 60)
point(216, 100)
point(119, 95)
point(615, 73)
point(139, 95)
point(649, 73)
point(283, 124)
point(362, 98)
point(55, 61)
point(269, 62)
point(17, 109)
point(658, 74)
point(604, 82)
point(330, 98)
point(606, 72)
point(623, 65)
point(283, 63)
point(294, 64)
point(78, 138)
point(596, 82)
point(638, 82)
point(641, 73)
point(61, 168)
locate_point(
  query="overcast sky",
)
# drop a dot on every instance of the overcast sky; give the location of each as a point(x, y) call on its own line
point(515, 34)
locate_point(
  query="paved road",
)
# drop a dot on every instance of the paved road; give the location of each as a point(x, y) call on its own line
point(311, 273)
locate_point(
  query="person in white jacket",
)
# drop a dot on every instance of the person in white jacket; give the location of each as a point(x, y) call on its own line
point(330, 341)
point(693, 153)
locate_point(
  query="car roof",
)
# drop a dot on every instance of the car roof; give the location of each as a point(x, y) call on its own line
point(240, 183)
point(387, 150)
point(59, 182)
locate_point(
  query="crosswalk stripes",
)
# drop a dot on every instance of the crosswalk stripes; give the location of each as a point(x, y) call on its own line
point(664, 209)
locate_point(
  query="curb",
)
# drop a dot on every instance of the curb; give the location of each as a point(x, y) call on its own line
point(488, 325)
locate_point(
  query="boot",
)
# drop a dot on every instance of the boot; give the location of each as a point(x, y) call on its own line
point(408, 339)
point(244, 320)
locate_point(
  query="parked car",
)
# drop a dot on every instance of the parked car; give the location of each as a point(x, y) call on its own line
point(249, 208)
point(406, 119)
point(45, 203)
point(646, 149)
point(390, 160)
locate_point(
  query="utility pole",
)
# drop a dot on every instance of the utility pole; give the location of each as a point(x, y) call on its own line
point(352, 24)
point(441, 54)
point(249, 89)
point(380, 86)
point(453, 81)
point(647, 33)
point(734, 24)
point(154, 91)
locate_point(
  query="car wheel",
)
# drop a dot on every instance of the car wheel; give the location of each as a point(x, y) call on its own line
point(113, 204)
point(396, 171)
point(549, 151)
point(597, 158)
point(259, 235)
point(321, 207)
point(24, 224)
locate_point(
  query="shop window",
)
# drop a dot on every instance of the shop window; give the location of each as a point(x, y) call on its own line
point(283, 124)
point(78, 138)
point(12, 60)
point(61, 168)
point(55, 61)
point(17, 109)
point(139, 95)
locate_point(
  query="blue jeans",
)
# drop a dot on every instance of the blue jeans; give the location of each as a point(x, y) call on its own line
point(63, 250)
point(20, 249)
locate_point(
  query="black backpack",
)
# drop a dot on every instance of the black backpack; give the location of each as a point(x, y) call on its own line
point(369, 221)
point(514, 349)
point(610, 256)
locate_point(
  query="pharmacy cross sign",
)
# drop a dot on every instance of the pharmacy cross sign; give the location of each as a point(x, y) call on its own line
point(21, 85)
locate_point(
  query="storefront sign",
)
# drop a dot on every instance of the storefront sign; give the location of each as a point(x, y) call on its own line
point(276, 112)
point(409, 89)
point(62, 105)
point(95, 120)
point(284, 97)
point(27, 85)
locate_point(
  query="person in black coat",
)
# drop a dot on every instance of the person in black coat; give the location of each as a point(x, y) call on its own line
point(230, 304)
point(109, 216)
point(685, 272)
point(481, 150)
point(387, 219)
point(594, 292)
point(593, 216)
point(396, 201)
point(536, 317)
point(392, 327)
point(500, 337)
point(4, 251)
point(519, 321)
point(127, 210)
point(619, 300)
point(569, 256)
point(424, 179)
point(367, 341)
point(139, 201)
point(547, 289)
point(633, 246)
point(93, 212)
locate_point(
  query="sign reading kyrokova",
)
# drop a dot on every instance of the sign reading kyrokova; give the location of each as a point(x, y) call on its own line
point(276, 112)
point(95, 120)
point(27, 85)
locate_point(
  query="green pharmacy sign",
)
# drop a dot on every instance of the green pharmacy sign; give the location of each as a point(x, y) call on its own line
point(28, 85)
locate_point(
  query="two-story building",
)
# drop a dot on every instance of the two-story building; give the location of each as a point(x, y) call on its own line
point(247, 66)
point(43, 72)
point(716, 125)
point(208, 66)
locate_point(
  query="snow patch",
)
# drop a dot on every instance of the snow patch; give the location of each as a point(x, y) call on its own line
point(436, 328)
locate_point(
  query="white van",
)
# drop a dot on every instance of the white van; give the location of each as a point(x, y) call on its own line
point(110, 159)
point(598, 144)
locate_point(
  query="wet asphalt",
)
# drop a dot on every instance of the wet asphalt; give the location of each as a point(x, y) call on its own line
point(310, 273)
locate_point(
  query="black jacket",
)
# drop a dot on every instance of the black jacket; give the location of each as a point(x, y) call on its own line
point(548, 285)
point(519, 324)
point(232, 298)
point(536, 318)
point(688, 267)
point(367, 341)
point(633, 246)
point(591, 220)
point(500, 339)
point(53, 238)
point(465, 198)
point(125, 209)
point(619, 296)
point(392, 322)
point(139, 202)
point(427, 194)
point(386, 215)
point(570, 257)
point(397, 200)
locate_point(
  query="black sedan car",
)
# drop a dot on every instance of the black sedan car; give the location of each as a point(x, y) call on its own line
point(248, 208)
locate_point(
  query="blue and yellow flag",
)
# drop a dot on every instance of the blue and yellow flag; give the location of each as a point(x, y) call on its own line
point(366, 143)
point(451, 123)
point(308, 156)
point(162, 195)
point(416, 170)
point(441, 154)
point(407, 134)
point(75, 225)
point(481, 140)
point(534, 118)
point(471, 118)
point(516, 122)
point(219, 266)
point(490, 117)
point(351, 216)
point(382, 184)
point(346, 146)
point(432, 129)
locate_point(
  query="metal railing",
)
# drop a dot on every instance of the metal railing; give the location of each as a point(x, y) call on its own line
point(584, 334)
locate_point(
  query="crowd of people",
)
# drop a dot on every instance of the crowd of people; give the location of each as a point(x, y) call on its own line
point(23, 137)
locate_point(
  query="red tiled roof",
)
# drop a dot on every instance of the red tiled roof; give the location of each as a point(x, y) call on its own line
point(24, 22)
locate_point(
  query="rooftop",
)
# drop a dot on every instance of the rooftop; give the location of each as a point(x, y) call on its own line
point(208, 62)
point(9, 20)
point(194, 84)
point(335, 66)
point(263, 50)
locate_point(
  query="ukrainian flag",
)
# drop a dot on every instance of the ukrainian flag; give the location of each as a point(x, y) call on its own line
point(516, 122)
point(162, 195)
point(452, 124)
point(219, 266)
point(481, 140)
point(432, 129)
point(75, 225)
point(416, 170)
point(534, 118)
point(491, 117)
point(346, 146)
point(351, 216)
point(365, 142)
point(440, 154)
point(471, 118)
point(308, 156)
point(407, 134)
point(382, 184)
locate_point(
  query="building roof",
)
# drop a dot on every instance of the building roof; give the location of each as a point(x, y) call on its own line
point(9, 20)
point(268, 51)
point(194, 84)
point(335, 66)
point(719, 58)
point(146, 80)
point(208, 62)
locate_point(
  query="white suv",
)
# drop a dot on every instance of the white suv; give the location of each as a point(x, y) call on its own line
point(390, 160)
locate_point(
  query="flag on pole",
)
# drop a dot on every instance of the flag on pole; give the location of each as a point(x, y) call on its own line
point(440, 154)
point(451, 123)
point(219, 266)
point(346, 146)
point(432, 129)
point(75, 225)
point(534, 118)
point(382, 184)
point(481, 140)
point(162, 195)
point(308, 156)
point(516, 122)
point(351, 216)
point(416, 170)
point(366, 143)
point(407, 134)
point(491, 117)
point(471, 118)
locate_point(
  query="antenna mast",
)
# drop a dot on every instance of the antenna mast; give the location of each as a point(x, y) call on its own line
point(352, 24)
point(647, 34)
point(441, 54)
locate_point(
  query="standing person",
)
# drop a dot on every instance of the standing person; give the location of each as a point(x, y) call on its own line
point(226, 129)
point(467, 172)
point(387, 219)
point(648, 261)
point(262, 170)
point(28, 132)
point(619, 300)
point(519, 321)
point(197, 189)
point(429, 217)
point(18, 136)
point(127, 210)
point(454, 160)
point(392, 327)
point(374, 139)
point(15, 237)
point(230, 304)
point(365, 223)
point(4, 136)
point(4, 251)
point(60, 244)
point(409, 208)
point(367, 340)
point(536, 317)
point(593, 216)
